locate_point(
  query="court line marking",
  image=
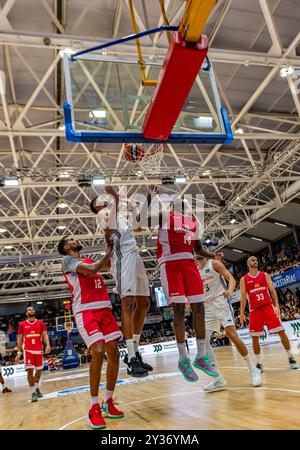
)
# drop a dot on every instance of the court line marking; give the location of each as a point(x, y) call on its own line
point(63, 427)
point(73, 376)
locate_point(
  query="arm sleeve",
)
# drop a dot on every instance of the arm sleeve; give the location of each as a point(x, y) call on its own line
point(20, 328)
point(70, 264)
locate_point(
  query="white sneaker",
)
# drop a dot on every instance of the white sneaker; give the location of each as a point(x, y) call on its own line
point(255, 377)
point(216, 385)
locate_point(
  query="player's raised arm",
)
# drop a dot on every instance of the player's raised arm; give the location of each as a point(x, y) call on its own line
point(221, 269)
point(92, 269)
point(243, 300)
point(153, 191)
point(273, 294)
point(111, 191)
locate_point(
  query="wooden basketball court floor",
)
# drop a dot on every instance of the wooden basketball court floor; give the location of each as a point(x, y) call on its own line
point(165, 400)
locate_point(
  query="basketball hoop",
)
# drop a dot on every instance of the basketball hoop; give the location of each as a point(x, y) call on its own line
point(152, 158)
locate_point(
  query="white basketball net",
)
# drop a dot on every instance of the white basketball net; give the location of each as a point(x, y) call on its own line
point(151, 161)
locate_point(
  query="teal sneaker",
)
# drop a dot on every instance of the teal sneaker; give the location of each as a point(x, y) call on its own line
point(185, 367)
point(206, 365)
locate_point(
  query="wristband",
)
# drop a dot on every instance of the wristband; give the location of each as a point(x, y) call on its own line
point(19, 353)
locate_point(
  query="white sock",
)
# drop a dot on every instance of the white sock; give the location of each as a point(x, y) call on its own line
point(130, 348)
point(258, 358)
point(108, 394)
point(201, 347)
point(37, 385)
point(249, 362)
point(136, 340)
point(94, 400)
point(3, 385)
point(182, 350)
point(289, 353)
point(32, 388)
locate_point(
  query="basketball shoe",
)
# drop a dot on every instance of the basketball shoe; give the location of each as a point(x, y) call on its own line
point(6, 390)
point(260, 367)
point(135, 369)
point(38, 393)
point(216, 385)
point(255, 377)
point(142, 363)
point(185, 367)
point(109, 410)
point(206, 365)
point(293, 364)
point(95, 416)
point(34, 397)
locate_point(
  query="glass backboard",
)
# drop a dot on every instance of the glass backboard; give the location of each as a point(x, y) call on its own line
point(106, 103)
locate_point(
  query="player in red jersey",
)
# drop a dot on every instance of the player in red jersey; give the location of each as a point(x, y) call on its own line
point(261, 294)
point(95, 322)
point(178, 238)
point(30, 334)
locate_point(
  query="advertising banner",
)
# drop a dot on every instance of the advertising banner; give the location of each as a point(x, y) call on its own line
point(292, 329)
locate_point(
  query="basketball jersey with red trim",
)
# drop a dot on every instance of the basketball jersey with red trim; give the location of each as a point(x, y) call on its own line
point(88, 291)
point(257, 290)
point(176, 239)
point(32, 335)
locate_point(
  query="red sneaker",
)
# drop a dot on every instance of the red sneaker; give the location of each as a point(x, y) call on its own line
point(95, 416)
point(109, 409)
point(6, 390)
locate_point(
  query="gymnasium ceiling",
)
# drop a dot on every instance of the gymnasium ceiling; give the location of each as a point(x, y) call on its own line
point(254, 178)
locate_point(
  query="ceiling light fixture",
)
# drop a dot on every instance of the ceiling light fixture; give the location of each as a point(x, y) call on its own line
point(3, 230)
point(180, 179)
point(11, 181)
point(287, 71)
point(237, 251)
point(280, 224)
point(256, 239)
point(98, 180)
point(62, 205)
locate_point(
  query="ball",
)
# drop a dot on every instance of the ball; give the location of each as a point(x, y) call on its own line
point(133, 152)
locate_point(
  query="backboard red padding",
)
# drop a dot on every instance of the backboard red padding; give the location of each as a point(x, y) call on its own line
point(178, 74)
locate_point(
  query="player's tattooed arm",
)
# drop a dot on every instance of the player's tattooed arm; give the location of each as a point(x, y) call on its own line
point(221, 269)
point(152, 192)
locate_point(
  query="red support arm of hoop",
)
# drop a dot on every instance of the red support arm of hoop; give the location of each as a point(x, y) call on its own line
point(178, 74)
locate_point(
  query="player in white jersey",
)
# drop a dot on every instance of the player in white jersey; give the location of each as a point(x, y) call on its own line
point(130, 275)
point(218, 312)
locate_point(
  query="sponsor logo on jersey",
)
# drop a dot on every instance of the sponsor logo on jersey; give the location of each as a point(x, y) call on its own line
point(257, 285)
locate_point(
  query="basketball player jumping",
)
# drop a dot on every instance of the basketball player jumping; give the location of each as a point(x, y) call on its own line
point(261, 294)
point(181, 280)
point(31, 331)
point(218, 312)
point(130, 275)
point(95, 322)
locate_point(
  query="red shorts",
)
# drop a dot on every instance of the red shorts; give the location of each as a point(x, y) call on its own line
point(97, 325)
point(181, 281)
point(33, 360)
point(261, 316)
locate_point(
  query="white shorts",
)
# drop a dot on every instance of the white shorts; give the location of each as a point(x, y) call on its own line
point(130, 276)
point(218, 312)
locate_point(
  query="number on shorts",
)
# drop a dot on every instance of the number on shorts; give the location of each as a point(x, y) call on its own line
point(259, 297)
point(206, 287)
point(33, 341)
